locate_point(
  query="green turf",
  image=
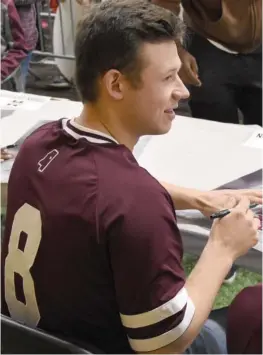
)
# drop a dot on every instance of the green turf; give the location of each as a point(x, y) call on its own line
point(227, 292)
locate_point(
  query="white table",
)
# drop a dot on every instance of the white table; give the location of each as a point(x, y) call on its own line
point(195, 153)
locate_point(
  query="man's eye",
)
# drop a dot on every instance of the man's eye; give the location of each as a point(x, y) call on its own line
point(169, 78)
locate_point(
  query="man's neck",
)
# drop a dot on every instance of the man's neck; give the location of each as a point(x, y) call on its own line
point(106, 122)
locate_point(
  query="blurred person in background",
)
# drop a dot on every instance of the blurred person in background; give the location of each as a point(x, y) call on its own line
point(27, 13)
point(222, 58)
point(13, 47)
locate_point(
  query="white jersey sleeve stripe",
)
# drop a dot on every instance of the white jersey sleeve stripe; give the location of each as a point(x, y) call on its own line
point(158, 314)
point(150, 344)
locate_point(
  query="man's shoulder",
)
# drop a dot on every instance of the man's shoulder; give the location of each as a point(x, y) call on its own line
point(43, 129)
point(121, 175)
point(128, 190)
point(40, 147)
point(40, 139)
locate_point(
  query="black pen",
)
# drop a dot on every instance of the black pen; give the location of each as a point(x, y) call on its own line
point(224, 213)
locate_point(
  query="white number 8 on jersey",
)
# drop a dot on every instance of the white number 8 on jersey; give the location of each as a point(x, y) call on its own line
point(28, 220)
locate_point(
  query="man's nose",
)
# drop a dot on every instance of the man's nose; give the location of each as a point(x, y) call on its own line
point(181, 90)
point(185, 93)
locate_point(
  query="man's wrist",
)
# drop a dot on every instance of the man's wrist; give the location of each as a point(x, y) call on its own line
point(193, 199)
point(200, 201)
point(219, 252)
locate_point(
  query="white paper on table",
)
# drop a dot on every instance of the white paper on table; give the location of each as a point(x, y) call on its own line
point(201, 154)
point(13, 127)
point(56, 109)
point(20, 122)
point(256, 140)
point(21, 101)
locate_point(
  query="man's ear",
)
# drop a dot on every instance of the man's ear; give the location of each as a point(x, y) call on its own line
point(113, 82)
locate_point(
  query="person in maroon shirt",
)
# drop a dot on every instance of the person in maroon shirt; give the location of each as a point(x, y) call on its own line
point(13, 45)
point(92, 251)
point(244, 322)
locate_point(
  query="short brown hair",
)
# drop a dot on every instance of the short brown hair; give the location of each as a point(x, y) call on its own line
point(110, 35)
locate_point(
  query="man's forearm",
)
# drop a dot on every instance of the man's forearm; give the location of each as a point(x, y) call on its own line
point(204, 283)
point(202, 286)
point(184, 198)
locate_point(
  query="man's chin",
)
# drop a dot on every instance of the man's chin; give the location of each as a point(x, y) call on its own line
point(164, 129)
point(157, 131)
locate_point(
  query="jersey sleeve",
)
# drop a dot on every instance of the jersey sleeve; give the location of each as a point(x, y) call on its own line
point(146, 259)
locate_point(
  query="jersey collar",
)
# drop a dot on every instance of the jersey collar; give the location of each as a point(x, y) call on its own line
point(77, 131)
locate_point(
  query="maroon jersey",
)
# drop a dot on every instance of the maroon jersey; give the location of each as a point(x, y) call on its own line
point(91, 250)
point(244, 328)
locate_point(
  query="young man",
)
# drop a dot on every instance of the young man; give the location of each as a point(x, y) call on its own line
point(13, 47)
point(222, 58)
point(92, 251)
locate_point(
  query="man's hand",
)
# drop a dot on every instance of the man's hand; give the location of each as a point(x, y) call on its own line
point(236, 233)
point(189, 70)
point(213, 201)
point(209, 202)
